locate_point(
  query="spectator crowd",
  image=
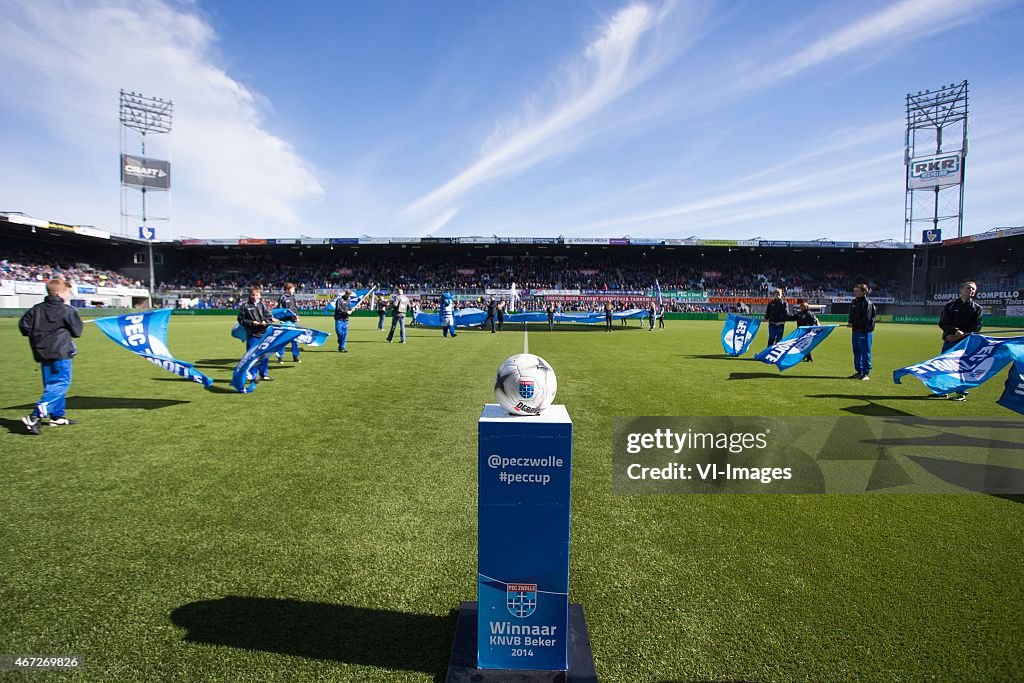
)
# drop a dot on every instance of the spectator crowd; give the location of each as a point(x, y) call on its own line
point(734, 275)
point(37, 266)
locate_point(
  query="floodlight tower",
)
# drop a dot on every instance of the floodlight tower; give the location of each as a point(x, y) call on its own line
point(935, 156)
point(143, 175)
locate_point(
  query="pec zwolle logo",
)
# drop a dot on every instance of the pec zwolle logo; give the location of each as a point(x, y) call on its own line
point(974, 373)
point(526, 388)
point(521, 599)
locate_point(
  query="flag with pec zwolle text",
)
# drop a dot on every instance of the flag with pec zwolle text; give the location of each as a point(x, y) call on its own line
point(971, 363)
point(145, 335)
point(738, 333)
point(274, 339)
point(795, 347)
point(1013, 392)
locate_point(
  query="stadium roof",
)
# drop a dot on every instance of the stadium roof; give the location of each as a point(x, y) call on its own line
point(89, 231)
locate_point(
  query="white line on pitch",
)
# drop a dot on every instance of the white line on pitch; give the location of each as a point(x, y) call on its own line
point(526, 338)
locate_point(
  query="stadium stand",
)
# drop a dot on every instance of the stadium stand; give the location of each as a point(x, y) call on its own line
point(213, 273)
point(737, 275)
point(35, 265)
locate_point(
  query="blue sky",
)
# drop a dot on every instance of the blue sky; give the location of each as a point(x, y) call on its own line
point(725, 120)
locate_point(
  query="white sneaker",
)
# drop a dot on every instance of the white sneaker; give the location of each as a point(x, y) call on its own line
point(31, 423)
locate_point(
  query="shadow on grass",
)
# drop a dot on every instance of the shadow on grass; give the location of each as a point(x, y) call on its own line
point(1005, 482)
point(777, 375)
point(355, 635)
point(214, 389)
point(863, 397)
point(718, 356)
point(111, 403)
point(1008, 423)
point(15, 426)
point(873, 409)
point(951, 440)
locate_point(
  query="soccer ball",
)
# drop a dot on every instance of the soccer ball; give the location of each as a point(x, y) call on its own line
point(525, 384)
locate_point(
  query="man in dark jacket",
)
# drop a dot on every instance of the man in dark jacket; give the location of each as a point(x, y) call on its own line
point(862, 321)
point(255, 316)
point(342, 308)
point(287, 300)
point(50, 327)
point(960, 318)
point(492, 311)
point(775, 315)
point(382, 308)
point(805, 318)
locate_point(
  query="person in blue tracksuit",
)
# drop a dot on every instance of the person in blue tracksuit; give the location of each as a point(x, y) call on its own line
point(776, 315)
point(550, 310)
point(287, 300)
point(342, 310)
point(256, 318)
point(862, 321)
point(50, 327)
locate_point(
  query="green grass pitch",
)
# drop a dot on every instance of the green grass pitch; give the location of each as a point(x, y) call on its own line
point(324, 527)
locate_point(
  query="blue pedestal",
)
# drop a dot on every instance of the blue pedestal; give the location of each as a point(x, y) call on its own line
point(525, 466)
point(462, 665)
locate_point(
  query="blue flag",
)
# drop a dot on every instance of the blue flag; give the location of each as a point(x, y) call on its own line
point(527, 317)
point(1013, 393)
point(738, 333)
point(598, 318)
point(466, 317)
point(657, 293)
point(353, 301)
point(276, 337)
point(971, 363)
point(472, 317)
point(310, 337)
point(145, 334)
point(795, 347)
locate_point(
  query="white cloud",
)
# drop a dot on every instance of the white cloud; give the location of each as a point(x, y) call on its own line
point(814, 182)
point(611, 65)
point(814, 177)
point(901, 23)
point(65, 62)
